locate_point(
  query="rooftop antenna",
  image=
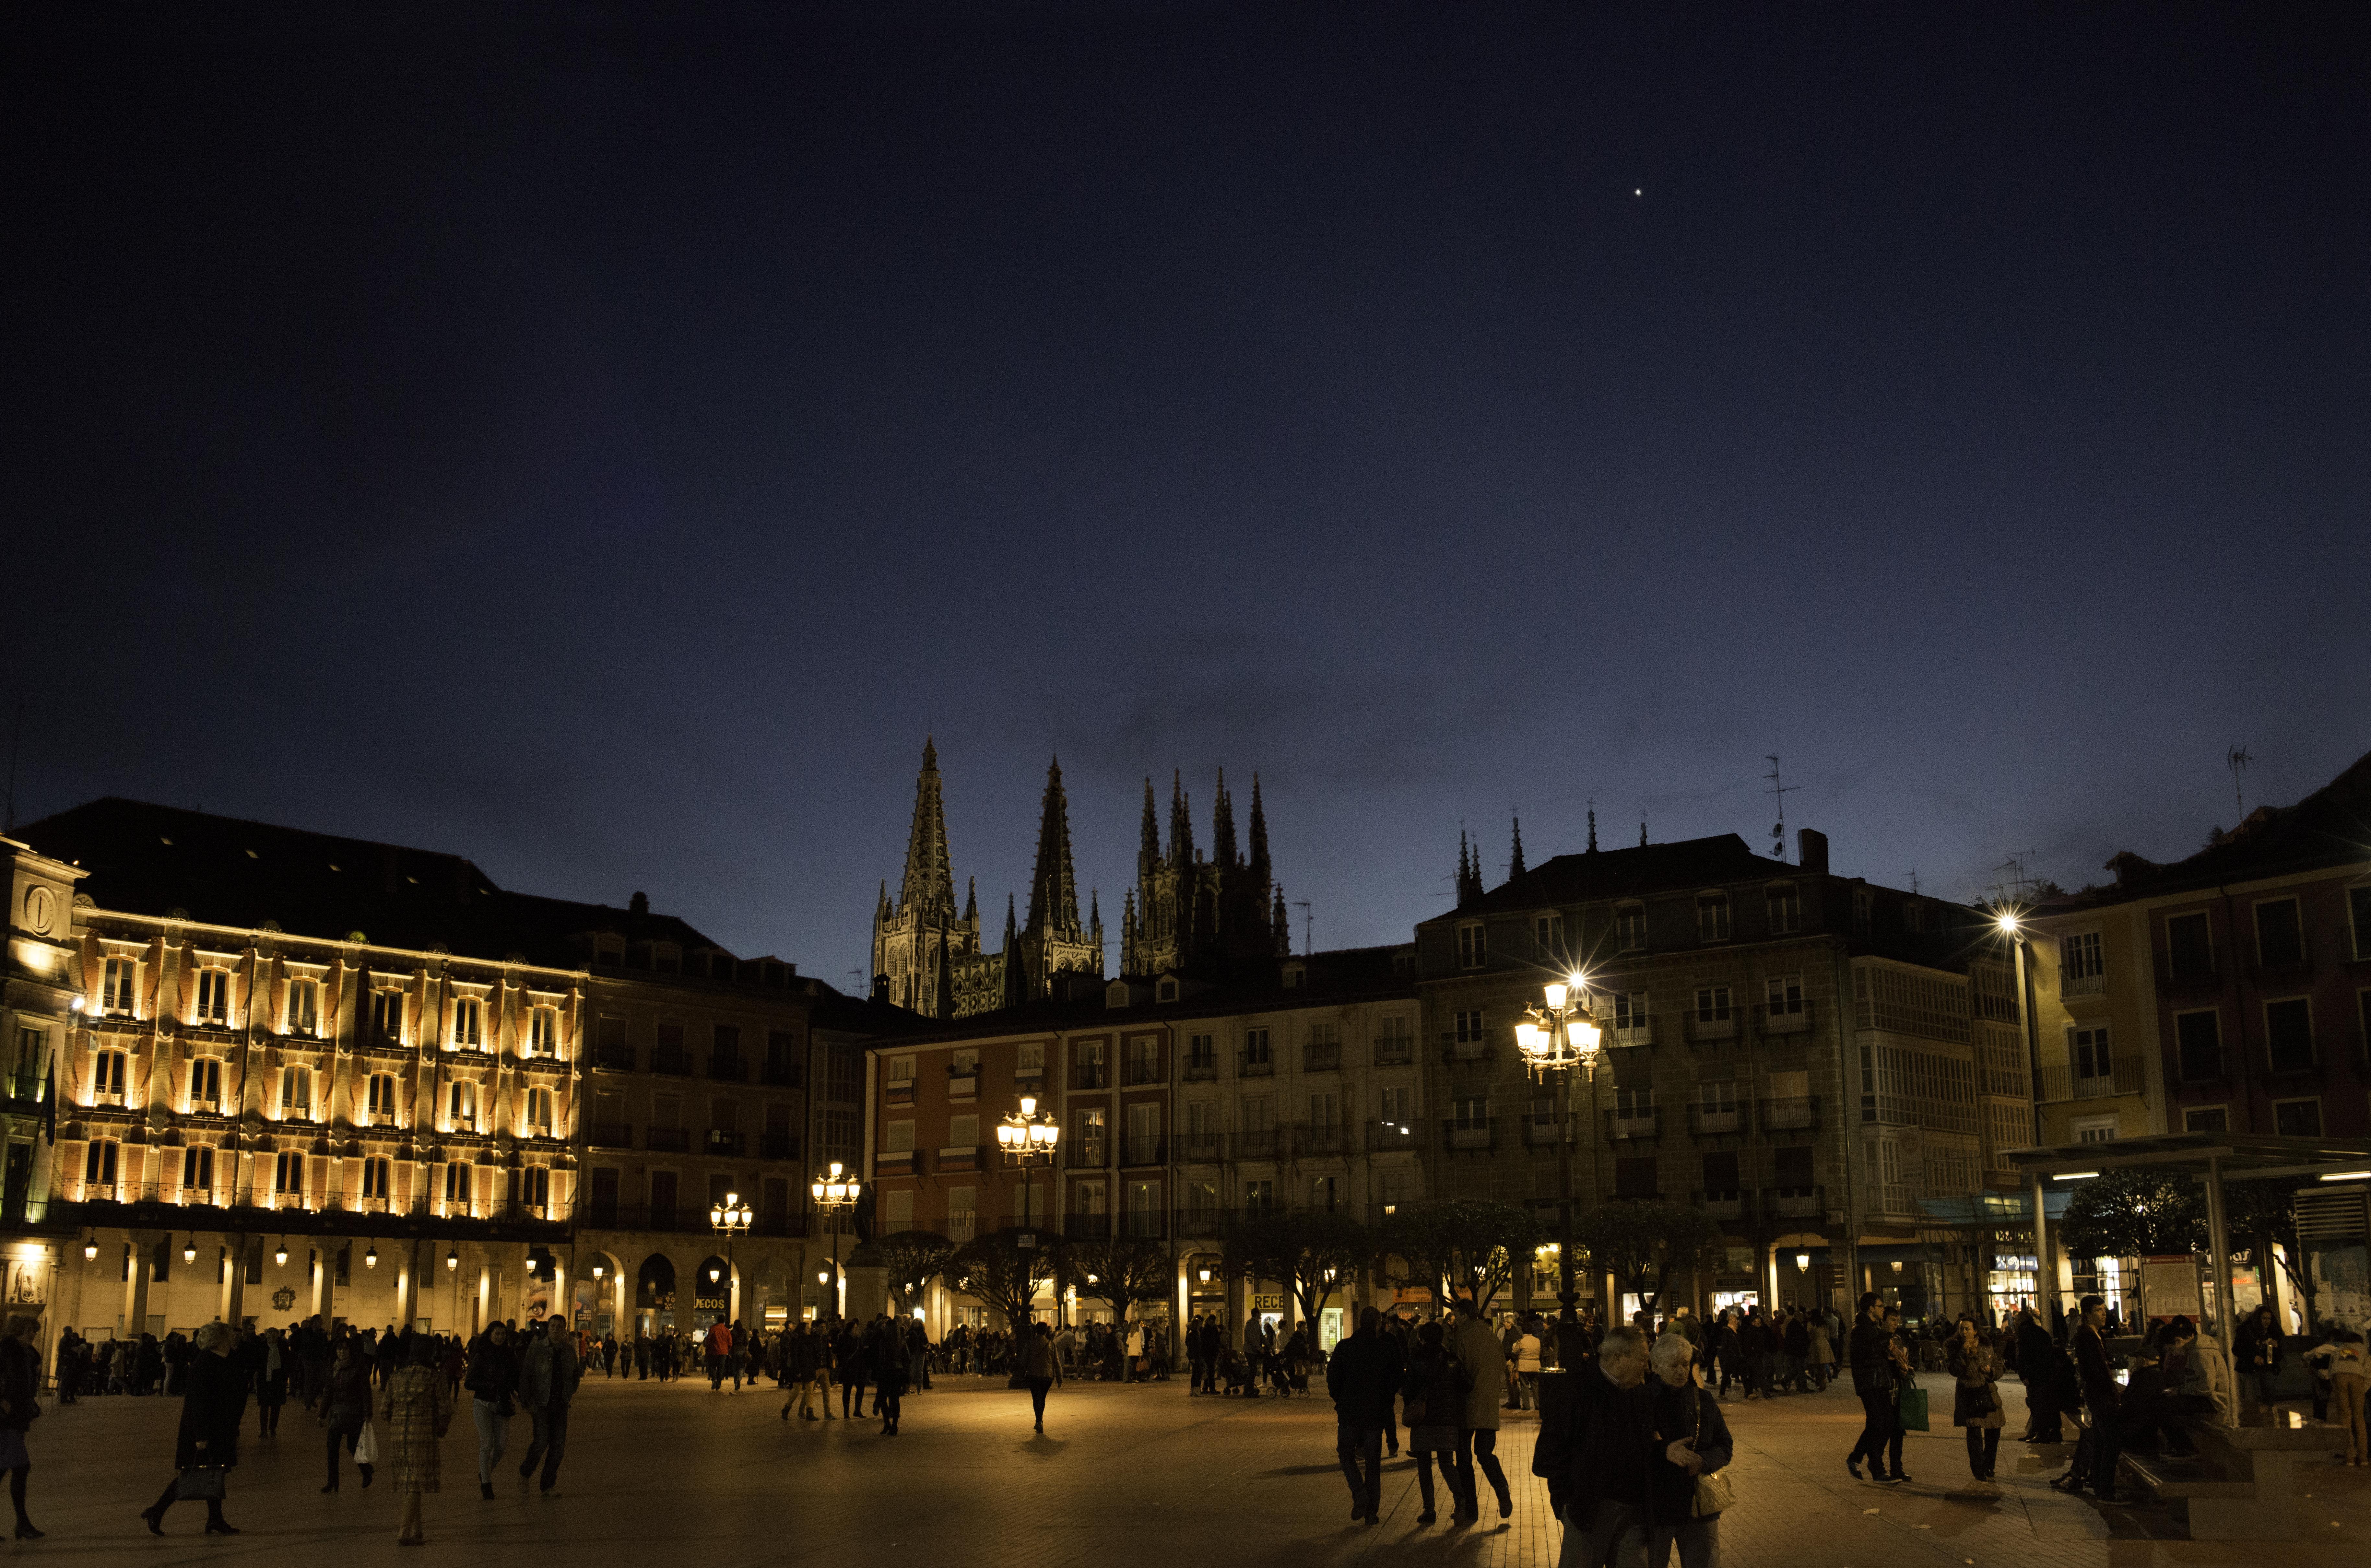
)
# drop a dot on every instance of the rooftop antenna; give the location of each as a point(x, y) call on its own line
point(1913, 881)
point(2237, 760)
point(2015, 886)
point(1780, 788)
point(1308, 925)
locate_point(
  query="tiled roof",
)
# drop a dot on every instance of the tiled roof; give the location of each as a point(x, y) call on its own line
point(1627, 874)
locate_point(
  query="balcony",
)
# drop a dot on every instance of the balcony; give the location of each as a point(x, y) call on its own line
point(898, 1090)
point(1266, 1144)
point(1201, 1069)
point(1144, 1225)
point(1090, 1076)
point(1469, 1134)
point(1318, 1139)
point(610, 1135)
point(1086, 1153)
point(1716, 1027)
point(962, 1157)
point(778, 1146)
point(1785, 1019)
point(727, 1068)
point(1542, 1132)
point(1795, 1203)
point(1200, 1222)
point(1086, 1227)
point(1730, 1205)
point(2354, 944)
point(2125, 1076)
point(666, 1140)
point(1724, 1118)
point(1472, 1048)
point(1797, 1114)
point(1394, 1050)
point(673, 1060)
point(1631, 1126)
point(894, 1162)
point(2082, 984)
point(1143, 1150)
point(1200, 1148)
point(2284, 958)
point(613, 1059)
point(2192, 971)
point(1254, 1065)
point(727, 1144)
point(1395, 1137)
point(779, 1073)
point(1140, 1070)
point(963, 1085)
point(1321, 1058)
point(1634, 1031)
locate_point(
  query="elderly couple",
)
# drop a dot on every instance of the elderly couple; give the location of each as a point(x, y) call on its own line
point(1622, 1455)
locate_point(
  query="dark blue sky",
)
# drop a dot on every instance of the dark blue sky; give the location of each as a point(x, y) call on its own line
point(605, 450)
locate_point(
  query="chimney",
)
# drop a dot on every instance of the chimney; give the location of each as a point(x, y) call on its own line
point(639, 905)
point(881, 988)
point(1811, 851)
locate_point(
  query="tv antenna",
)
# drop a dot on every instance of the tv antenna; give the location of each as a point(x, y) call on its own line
point(1308, 924)
point(1781, 789)
point(2237, 759)
point(2014, 884)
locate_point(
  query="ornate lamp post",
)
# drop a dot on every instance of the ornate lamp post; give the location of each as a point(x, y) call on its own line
point(728, 1219)
point(836, 1195)
point(1028, 1137)
point(1554, 1040)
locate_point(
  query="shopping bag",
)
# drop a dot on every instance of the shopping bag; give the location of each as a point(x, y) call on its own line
point(1912, 1407)
point(366, 1442)
point(200, 1483)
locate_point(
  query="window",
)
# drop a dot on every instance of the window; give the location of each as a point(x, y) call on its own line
point(1712, 1004)
point(2280, 936)
point(898, 1210)
point(387, 1016)
point(1256, 1052)
point(1785, 905)
point(1630, 927)
point(378, 1180)
point(1260, 1193)
point(382, 1099)
point(1547, 933)
point(1712, 917)
point(535, 1187)
point(198, 1169)
point(1201, 1052)
point(538, 1113)
point(106, 1077)
point(1144, 1060)
point(214, 997)
point(1719, 1099)
point(1913, 915)
point(2188, 948)
point(2095, 1129)
point(205, 1084)
point(2358, 912)
point(1473, 947)
point(1087, 1055)
point(115, 987)
point(1090, 1130)
point(1864, 906)
point(964, 1064)
point(1469, 1025)
point(458, 1184)
point(1325, 1109)
point(1166, 991)
point(288, 1177)
point(461, 1106)
point(1470, 1111)
point(963, 1213)
point(1029, 1060)
point(725, 1048)
point(2088, 1049)
point(98, 1164)
point(468, 1024)
point(1783, 996)
point(1635, 1178)
point(962, 1132)
point(1634, 1104)
point(2198, 1042)
point(899, 1136)
point(901, 1072)
point(305, 1007)
point(543, 1032)
point(1325, 1194)
point(1258, 1117)
point(297, 1093)
point(2080, 966)
point(2297, 1118)
point(1720, 1173)
point(782, 1057)
point(2210, 1119)
point(1633, 1025)
point(1791, 1167)
point(1395, 1102)
point(2288, 1034)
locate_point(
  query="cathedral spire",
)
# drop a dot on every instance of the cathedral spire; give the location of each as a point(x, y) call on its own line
point(1148, 851)
point(1515, 860)
point(1262, 871)
point(1053, 886)
point(1222, 827)
point(971, 900)
point(930, 883)
point(1181, 823)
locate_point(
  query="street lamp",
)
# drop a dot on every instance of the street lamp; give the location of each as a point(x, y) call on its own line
point(1028, 1137)
point(729, 1218)
point(90, 1248)
point(280, 1254)
point(834, 1195)
point(190, 1249)
point(453, 1261)
point(1555, 1039)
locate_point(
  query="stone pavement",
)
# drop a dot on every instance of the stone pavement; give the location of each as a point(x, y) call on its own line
point(1140, 1477)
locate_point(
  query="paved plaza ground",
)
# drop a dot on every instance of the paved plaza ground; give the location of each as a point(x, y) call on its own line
point(1138, 1477)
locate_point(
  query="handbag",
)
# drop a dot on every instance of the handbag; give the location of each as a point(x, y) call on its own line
point(200, 1483)
point(366, 1445)
point(1715, 1493)
point(1910, 1405)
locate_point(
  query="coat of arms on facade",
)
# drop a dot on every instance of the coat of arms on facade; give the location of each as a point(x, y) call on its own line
point(284, 1298)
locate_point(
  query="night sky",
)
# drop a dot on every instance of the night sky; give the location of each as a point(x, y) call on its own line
point(604, 448)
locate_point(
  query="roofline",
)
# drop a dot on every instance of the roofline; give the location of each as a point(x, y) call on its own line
point(342, 943)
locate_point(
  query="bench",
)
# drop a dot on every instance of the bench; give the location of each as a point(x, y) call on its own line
point(2241, 1485)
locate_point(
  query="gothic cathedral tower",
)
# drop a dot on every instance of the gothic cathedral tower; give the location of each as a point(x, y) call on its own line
point(919, 942)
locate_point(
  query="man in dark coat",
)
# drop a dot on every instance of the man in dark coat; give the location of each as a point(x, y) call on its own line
point(1361, 1376)
point(1596, 1455)
point(2102, 1402)
point(548, 1372)
point(212, 1412)
point(1871, 1353)
point(2036, 1362)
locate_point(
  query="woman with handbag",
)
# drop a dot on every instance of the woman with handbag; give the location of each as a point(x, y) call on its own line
point(1688, 1483)
point(1431, 1402)
point(1976, 1401)
point(207, 1445)
point(20, 1405)
point(416, 1406)
point(345, 1406)
point(492, 1382)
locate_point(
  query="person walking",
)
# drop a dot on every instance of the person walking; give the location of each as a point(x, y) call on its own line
point(2102, 1407)
point(1360, 1377)
point(1526, 1354)
point(891, 1363)
point(855, 1369)
point(1692, 1441)
point(548, 1372)
point(1822, 1350)
point(415, 1406)
point(1477, 1349)
point(492, 1382)
point(1433, 1406)
point(1038, 1368)
point(205, 1449)
point(1598, 1459)
point(271, 1370)
point(1976, 1399)
point(1870, 1351)
point(20, 1405)
point(345, 1403)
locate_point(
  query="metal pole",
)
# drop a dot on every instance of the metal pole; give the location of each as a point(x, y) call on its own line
point(2218, 1242)
point(2045, 1277)
point(1567, 1293)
